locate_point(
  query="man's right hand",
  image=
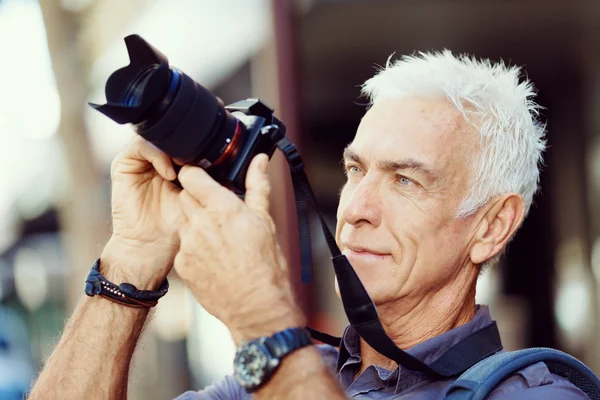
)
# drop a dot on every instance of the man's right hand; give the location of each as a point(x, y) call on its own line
point(145, 217)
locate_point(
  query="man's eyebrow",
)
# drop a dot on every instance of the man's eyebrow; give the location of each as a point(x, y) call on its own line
point(408, 163)
point(390, 165)
point(352, 155)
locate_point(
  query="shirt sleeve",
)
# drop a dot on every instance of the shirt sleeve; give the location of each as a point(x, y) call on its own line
point(536, 382)
point(229, 389)
point(225, 389)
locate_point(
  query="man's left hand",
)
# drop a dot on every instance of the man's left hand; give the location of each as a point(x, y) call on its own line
point(229, 256)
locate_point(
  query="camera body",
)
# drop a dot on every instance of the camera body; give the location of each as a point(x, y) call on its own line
point(185, 120)
point(261, 132)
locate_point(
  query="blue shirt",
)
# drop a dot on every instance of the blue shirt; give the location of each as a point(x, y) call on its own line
point(532, 383)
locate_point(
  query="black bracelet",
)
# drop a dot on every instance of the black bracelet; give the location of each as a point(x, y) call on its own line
point(125, 294)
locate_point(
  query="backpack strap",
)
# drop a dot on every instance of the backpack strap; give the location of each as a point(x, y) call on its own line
point(482, 378)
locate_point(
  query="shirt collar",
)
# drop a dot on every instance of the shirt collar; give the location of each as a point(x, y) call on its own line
point(427, 351)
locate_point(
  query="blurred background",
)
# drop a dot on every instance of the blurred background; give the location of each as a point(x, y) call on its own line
point(306, 59)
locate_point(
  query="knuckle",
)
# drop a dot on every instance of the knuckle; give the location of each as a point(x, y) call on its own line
point(116, 165)
point(266, 189)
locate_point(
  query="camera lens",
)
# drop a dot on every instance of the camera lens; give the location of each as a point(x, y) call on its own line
point(169, 109)
point(135, 90)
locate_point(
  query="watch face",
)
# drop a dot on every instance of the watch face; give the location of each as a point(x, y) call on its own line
point(250, 365)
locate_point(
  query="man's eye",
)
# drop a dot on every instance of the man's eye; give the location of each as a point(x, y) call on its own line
point(404, 181)
point(352, 170)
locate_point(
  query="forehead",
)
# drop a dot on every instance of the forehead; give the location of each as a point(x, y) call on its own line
point(430, 130)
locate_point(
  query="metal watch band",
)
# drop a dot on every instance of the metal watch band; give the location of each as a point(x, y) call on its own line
point(125, 293)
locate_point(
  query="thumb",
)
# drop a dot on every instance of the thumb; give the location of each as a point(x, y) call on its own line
point(258, 188)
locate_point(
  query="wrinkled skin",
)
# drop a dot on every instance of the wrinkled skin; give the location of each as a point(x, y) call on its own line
point(407, 214)
point(408, 170)
point(145, 215)
point(229, 255)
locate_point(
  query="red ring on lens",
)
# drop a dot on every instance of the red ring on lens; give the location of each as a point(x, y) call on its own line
point(231, 148)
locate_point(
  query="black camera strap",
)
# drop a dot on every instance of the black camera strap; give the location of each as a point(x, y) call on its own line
point(360, 310)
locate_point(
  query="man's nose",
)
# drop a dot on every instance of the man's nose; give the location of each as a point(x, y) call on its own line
point(364, 204)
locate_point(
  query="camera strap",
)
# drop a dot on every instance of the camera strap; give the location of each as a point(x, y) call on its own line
point(360, 309)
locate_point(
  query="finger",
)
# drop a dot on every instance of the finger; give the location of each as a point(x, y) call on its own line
point(159, 159)
point(207, 191)
point(179, 161)
point(197, 222)
point(258, 188)
point(189, 205)
point(139, 157)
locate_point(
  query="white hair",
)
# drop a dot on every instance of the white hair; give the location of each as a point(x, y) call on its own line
point(490, 97)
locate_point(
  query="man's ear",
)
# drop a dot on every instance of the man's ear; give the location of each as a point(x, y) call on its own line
point(500, 222)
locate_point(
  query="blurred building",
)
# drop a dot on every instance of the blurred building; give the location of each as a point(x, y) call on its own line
point(307, 59)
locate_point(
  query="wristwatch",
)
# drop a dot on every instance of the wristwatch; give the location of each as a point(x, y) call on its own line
point(257, 360)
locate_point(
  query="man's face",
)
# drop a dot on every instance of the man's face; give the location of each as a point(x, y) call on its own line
point(408, 170)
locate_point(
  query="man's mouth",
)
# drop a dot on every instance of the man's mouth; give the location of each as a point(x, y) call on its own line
point(361, 253)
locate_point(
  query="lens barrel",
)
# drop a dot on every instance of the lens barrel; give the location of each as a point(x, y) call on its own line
point(167, 107)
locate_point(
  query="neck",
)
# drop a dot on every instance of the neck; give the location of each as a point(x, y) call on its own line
point(409, 323)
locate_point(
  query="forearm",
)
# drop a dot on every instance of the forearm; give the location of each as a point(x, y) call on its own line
point(93, 356)
point(92, 359)
point(301, 375)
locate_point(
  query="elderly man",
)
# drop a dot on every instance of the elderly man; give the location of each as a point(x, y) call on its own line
point(440, 175)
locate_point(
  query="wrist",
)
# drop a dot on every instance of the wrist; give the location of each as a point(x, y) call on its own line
point(273, 319)
point(142, 265)
point(113, 313)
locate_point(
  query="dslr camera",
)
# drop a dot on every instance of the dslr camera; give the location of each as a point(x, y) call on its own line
point(185, 120)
